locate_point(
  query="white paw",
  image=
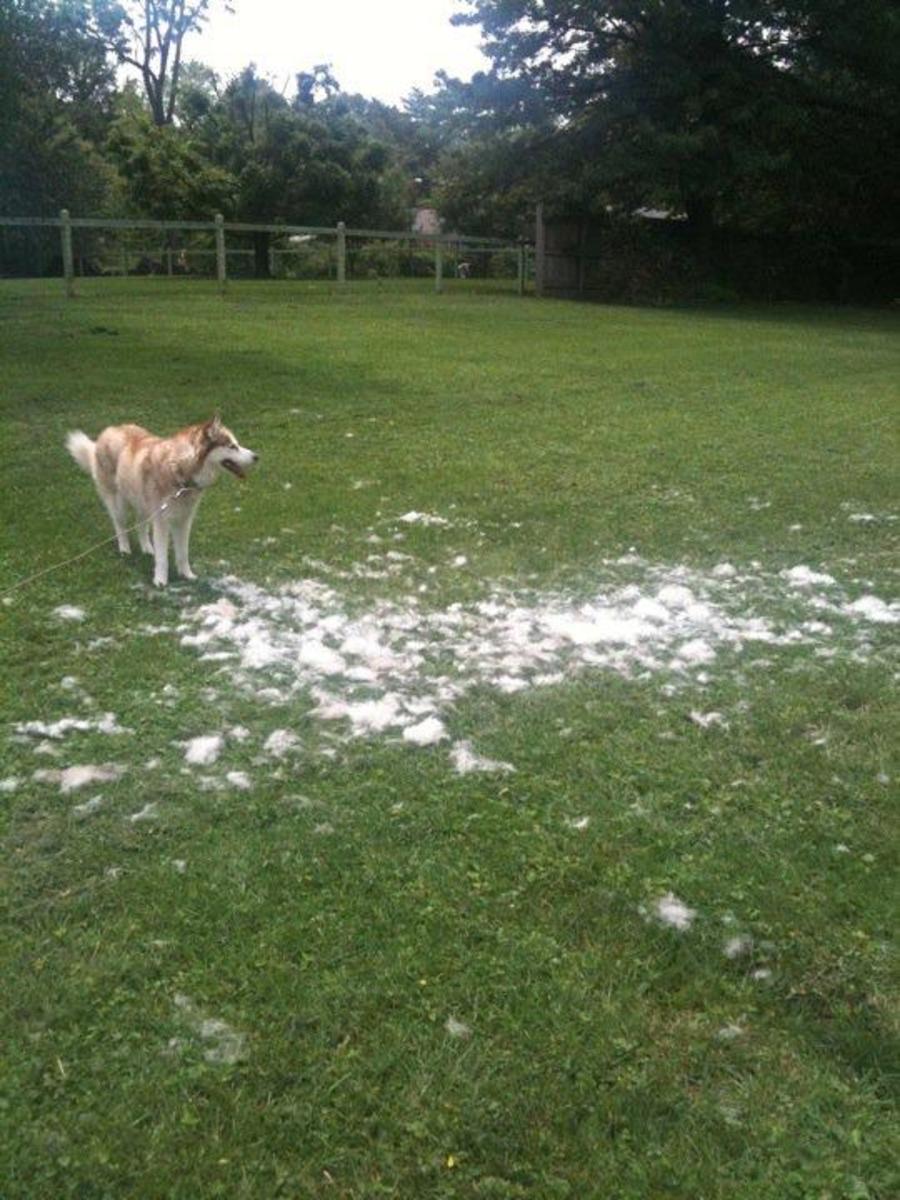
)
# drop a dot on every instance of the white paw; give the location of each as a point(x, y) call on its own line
point(157, 582)
point(188, 574)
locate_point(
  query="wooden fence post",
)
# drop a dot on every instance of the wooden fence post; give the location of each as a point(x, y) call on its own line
point(220, 252)
point(68, 261)
point(341, 253)
point(540, 252)
point(438, 266)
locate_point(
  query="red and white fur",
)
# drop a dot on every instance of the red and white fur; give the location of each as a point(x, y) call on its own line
point(162, 480)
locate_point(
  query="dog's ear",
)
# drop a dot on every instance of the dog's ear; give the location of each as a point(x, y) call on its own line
point(213, 427)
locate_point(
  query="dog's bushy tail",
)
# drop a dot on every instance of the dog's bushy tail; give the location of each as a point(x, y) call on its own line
point(82, 450)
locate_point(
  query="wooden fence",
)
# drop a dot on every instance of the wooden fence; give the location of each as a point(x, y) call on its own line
point(211, 244)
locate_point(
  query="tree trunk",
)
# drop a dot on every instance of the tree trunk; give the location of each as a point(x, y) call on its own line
point(261, 255)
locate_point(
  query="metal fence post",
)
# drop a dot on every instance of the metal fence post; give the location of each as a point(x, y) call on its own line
point(341, 253)
point(68, 261)
point(220, 252)
point(438, 266)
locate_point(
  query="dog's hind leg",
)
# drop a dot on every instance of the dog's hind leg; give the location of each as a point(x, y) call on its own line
point(160, 551)
point(117, 510)
point(144, 536)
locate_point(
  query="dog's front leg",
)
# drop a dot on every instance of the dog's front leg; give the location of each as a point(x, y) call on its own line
point(181, 536)
point(160, 550)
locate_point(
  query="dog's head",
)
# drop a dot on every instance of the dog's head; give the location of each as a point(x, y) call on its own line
point(223, 448)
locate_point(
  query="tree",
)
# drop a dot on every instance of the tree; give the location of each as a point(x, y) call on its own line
point(149, 35)
point(56, 100)
point(743, 112)
point(306, 160)
point(198, 93)
point(166, 173)
point(659, 103)
point(481, 148)
point(844, 126)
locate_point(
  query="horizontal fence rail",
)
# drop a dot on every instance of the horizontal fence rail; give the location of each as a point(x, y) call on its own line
point(117, 246)
point(244, 227)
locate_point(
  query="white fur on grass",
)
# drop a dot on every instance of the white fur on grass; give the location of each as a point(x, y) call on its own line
point(281, 742)
point(150, 812)
point(871, 608)
point(728, 1033)
point(457, 1029)
point(421, 518)
point(239, 780)
point(738, 947)
point(802, 576)
point(671, 911)
point(57, 730)
point(708, 720)
point(223, 1044)
point(88, 808)
point(204, 750)
point(365, 716)
point(426, 732)
point(70, 779)
point(69, 612)
point(466, 761)
point(390, 668)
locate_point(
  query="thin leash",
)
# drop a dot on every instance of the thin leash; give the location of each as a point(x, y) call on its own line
point(90, 550)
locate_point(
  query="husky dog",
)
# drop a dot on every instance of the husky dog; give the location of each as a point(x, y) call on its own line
point(161, 479)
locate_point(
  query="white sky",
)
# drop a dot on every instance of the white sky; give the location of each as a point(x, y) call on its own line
point(381, 48)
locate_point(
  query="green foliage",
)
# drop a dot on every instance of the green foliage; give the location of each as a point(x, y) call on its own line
point(56, 92)
point(184, 147)
point(308, 162)
point(197, 94)
point(383, 260)
point(165, 173)
point(753, 114)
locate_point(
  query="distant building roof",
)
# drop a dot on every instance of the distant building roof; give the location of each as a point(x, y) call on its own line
point(659, 214)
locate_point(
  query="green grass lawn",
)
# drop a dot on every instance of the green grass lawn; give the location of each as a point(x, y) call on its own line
point(350, 970)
